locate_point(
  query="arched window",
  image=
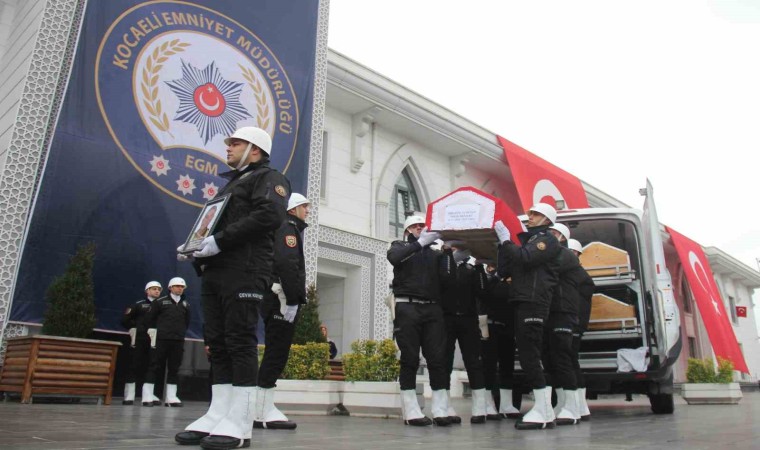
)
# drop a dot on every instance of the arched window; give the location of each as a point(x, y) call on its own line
point(403, 203)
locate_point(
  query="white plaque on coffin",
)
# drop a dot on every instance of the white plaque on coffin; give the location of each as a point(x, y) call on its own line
point(469, 217)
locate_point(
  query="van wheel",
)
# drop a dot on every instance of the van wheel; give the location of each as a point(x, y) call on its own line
point(662, 403)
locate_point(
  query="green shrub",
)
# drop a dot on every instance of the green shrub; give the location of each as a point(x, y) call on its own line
point(703, 371)
point(371, 361)
point(307, 326)
point(308, 362)
point(71, 296)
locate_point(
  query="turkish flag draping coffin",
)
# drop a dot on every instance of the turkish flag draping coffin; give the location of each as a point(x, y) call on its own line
point(468, 214)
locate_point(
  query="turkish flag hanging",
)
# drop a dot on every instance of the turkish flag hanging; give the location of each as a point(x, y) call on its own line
point(702, 283)
point(538, 180)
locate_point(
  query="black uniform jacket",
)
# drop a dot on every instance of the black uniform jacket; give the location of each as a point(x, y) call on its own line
point(245, 231)
point(494, 300)
point(533, 267)
point(418, 272)
point(460, 293)
point(585, 292)
point(135, 316)
point(171, 319)
point(570, 275)
point(289, 266)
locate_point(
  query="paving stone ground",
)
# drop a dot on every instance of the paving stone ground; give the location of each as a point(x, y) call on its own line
point(616, 424)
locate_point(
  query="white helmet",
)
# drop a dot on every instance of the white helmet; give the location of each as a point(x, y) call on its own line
point(547, 210)
point(152, 284)
point(255, 136)
point(177, 281)
point(411, 220)
point(562, 228)
point(297, 199)
point(573, 244)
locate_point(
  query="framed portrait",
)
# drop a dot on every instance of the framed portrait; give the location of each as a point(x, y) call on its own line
point(205, 223)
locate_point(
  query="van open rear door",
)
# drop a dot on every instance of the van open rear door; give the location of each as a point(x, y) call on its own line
point(667, 323)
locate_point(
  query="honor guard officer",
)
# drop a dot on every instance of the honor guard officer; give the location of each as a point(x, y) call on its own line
point(585, 292)
point(235, 264)
point(563, 322)
point(499, 348)
point(134, 320)
point(167, 320)
point(459, 298)
point(417, 274)
point(279, 311)
point(532, 268)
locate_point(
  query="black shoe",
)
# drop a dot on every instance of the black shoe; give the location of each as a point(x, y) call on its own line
point(493, 417)
point(189, 437)
point(156, 402)
point(520, 425)
point(174, 405)
point(275, 425)
point(128, 402)
point(567, 421)
point(455, 420)
point(586, 418)
point(148, 404)
point(213, 442)
point(421, 422)
point(441, 421)
point(511, 415)
point(478, 419)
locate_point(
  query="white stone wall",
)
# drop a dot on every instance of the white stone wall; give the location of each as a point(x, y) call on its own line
point(745, 328)
point(19, 25)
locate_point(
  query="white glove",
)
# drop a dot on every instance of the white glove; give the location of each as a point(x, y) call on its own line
point(390, 302)
point(461, 255)
point(290, 313)
point(208, 248)
point(483, 325)
point(132, 336)
point(501, 231)
point(152, 332)
point(181, 257)
point(427, 237)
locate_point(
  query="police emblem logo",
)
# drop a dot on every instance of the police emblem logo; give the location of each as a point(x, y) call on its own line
point(541, 246)
point(181, 78)
point(281, 190)
point(290, 241)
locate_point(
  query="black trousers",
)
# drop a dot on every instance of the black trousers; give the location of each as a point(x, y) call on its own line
point(529, 333)
point(167, 352)
point(421, 326)
point(140, 361)
point(561, 367)
point(580, 380)
point(230, 300)
point(278, 335)
point(499, 355)
point(465, 330)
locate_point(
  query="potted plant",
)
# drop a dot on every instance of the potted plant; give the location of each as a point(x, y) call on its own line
point(61, 361)
point(706, 386)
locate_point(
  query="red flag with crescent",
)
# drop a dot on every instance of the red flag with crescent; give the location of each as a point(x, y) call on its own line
point(706, 294)
point(538, 180)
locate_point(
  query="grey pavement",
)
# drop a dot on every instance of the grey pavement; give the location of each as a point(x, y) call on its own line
point(615, 424)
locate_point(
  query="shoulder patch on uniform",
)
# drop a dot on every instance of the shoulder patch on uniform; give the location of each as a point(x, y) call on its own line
point(280, 189)
point(290, 241)
point(541, 246)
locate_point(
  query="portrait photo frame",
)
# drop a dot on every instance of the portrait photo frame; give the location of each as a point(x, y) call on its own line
point(205, 223)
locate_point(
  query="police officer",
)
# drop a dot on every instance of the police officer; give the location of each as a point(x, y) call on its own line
point(167, 320)
point(563, 322)
point(585, 292)
point(532, 267)
point(279, 311)
point(235, 264)
point(459, 299)
point(417, 274)
point(134, 320)
point(499, 348)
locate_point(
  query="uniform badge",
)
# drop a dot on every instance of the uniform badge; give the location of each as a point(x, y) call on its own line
point(280, 190)
point(541, 246)
point(290, 241)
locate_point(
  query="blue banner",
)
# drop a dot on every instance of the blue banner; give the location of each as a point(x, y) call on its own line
point(155, 88)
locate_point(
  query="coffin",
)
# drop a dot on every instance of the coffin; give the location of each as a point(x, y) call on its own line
point(608, 313)
point(602, 260)
point(468, 214)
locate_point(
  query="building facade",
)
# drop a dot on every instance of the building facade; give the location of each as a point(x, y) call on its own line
point(385, 152)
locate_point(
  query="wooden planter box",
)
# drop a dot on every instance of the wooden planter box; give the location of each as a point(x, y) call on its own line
point(711, 393)
point(49, 365)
